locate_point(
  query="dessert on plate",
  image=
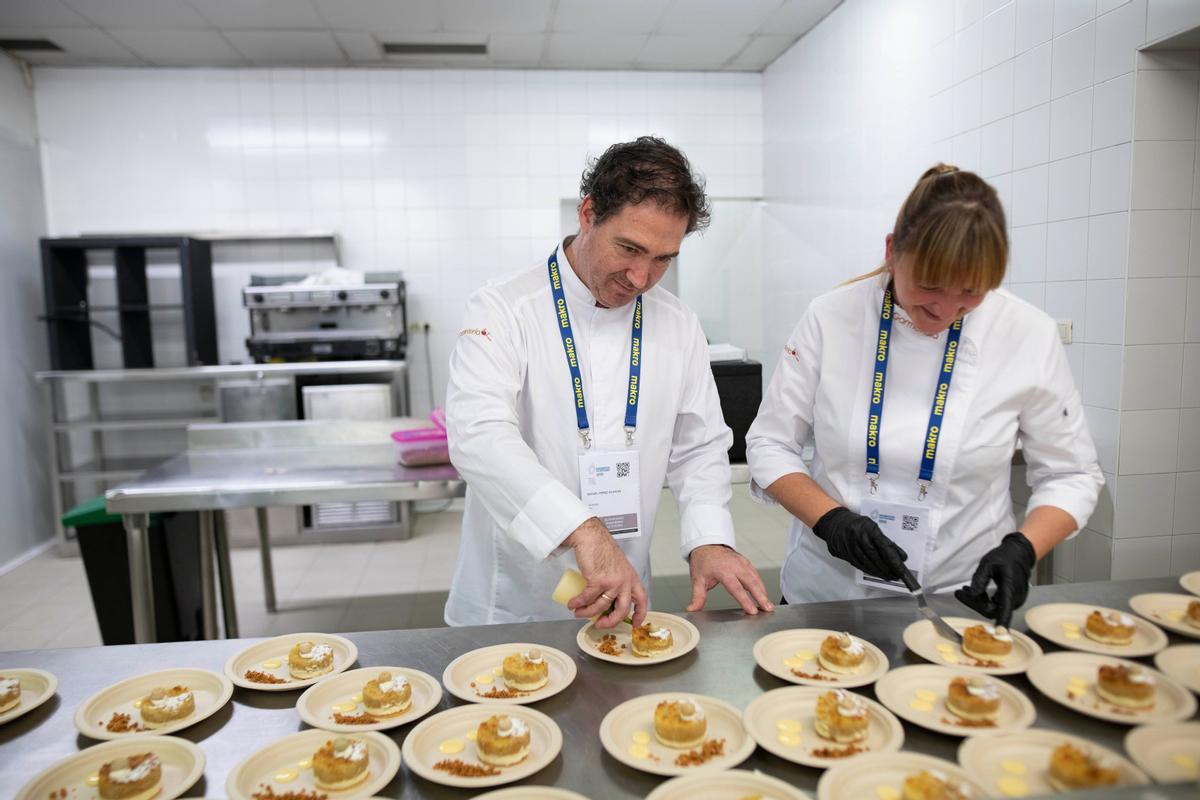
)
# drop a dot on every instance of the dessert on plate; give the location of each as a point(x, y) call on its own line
point(137, 777)
point(502, 741)
point(974, 698)
point(1072, 769)
point(10, 693)
point(841, 717)
point(340, 764)
point(651, 640)
point(842, 653)
point(1109, 628)
point(387, 695)
point(680, 723)
point(934, 785)
point(308, 660)
point(164, 706)
point(526, 671)
point(1127, 687)
point(987, 643)
point(1193, 614)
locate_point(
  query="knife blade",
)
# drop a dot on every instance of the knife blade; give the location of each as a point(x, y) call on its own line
point(940, 625)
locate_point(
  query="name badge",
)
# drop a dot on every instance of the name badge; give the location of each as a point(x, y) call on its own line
point(610, 486)
point(906, 525)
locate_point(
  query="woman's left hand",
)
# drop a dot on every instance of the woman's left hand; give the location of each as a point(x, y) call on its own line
point(1008, 565)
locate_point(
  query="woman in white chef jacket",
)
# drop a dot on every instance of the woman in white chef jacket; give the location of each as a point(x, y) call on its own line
point(915, 384)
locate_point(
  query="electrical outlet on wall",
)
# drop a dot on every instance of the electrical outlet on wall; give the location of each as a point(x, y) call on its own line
point(1065, 327)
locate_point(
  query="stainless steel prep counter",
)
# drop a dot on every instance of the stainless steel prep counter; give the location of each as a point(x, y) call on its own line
point(722, 667)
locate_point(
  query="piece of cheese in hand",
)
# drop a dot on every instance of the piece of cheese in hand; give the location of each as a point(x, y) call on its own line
point(569, 585)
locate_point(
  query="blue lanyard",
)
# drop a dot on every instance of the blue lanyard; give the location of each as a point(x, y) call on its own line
point(879, 382)
point(568, 340)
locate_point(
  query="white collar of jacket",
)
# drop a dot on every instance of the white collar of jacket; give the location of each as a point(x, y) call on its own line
point(576, 290)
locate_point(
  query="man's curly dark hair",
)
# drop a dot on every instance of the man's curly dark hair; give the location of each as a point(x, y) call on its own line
point(646, 169)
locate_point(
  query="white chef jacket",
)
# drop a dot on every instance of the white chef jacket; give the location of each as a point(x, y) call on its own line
point(1011, 381)
point(514, 436)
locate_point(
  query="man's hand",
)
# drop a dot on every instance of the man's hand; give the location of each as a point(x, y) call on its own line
point(611, 579)
point(715, 563)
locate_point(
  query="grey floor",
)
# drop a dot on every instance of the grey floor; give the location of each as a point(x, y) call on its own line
point(348, 587)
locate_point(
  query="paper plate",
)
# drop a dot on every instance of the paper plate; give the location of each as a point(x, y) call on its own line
point(733, 783)
point(270, 657)
point(924, 640)
point(210, 691)
point(918, 694)
point(423, 747)
point(1063, 624)
point(1017, 764)
point(182, 766)
point(472, 676)
point(781, 721)
point(792, 656)
point(1169, 753)
point(883, 774)
point(684, 634)
point(1191, 581)
point(1168, 610)
point(623, 730)
point(286, 765)
point(531, 793)
point(342, 694)
point(37, 686)
point(1182, 663)
point(1070, 679)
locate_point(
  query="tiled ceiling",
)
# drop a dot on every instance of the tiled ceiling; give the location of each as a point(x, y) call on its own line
point(730, 35)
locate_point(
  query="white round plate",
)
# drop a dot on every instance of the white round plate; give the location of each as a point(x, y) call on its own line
point(293, 754)
point(684, 634)
point(918, 694)
point(317, 705)
point(1168, 610)
point(1190, 581)
point(530, 793)
point(475, 675)
point(1064, 623)
point(209, 690)
point(636, 716)
point(182, 765)
point(781, 721)
point(1169, 753)
point(924, 640)
point(1182, 663)
point(883, 774)
point(423, 747)
point(792, 656)
point(270, 657)
point(1070, 679)
point(37, 686)
point(1020, 762)
point(732, 783)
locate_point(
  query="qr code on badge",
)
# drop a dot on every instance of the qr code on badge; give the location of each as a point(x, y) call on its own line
point(909, 522)
point(622, 469)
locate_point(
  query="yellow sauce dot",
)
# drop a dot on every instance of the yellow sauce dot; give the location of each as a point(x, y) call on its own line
point(1012, 787)
point(286, 776)
point(887, 793)
point(946, 647)
point(1013, 767)
point(1078, 680)
point(356, 699)
point(921, 705)
point(804, 655)
point(93, 780)
point(639, 750)
point(789, 739)
point(1073, 635)
point(926, 695)
point(483, 677)
point(497, 671)
point(305, 764)
point(451, 746)
point(272, 663)
point(1175, 616)
point(471, 734)
point(1184, 762)
point(641, 737)
point(792, 663)
point(137, 703)
point(950, 658)
point(1070, 626)
point(788, 725)
point(345, 707)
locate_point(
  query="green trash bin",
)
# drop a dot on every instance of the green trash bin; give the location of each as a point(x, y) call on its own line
point(174, 565)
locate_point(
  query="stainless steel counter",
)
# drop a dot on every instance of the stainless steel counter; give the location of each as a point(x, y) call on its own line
point(722, 666)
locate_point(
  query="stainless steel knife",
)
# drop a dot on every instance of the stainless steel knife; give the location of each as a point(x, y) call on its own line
point(940, 625)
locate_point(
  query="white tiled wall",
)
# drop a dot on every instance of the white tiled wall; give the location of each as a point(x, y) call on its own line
point(453, 177)
point(1045, 111)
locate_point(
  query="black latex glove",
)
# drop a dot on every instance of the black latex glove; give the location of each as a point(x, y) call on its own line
point(858, 540)
point(1008, 565)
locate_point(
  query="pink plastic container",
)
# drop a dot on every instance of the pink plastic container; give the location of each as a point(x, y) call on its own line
point(422, 447)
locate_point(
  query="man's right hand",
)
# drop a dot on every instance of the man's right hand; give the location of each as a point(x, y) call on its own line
point(858, 540)
point(611, 579)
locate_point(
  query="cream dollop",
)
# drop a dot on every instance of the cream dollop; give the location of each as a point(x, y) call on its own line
point(1139, 675)
point(515, 727)
point(658, 632)
point(697, 709)
point(1115, 618)
point(170, 702)
point(393, 684)
point(8, 684)
point(849, 644)
point(999, 633)
point(850, 705)
point(533, 656)
point(127, 775)
point(978, 687)
point(349, 749)
point(318, 652)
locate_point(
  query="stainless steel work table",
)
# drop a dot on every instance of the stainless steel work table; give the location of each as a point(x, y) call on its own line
point(722, 667)
point(256, 465)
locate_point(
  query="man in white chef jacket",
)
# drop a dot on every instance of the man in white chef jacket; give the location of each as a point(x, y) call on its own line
point(578, 386)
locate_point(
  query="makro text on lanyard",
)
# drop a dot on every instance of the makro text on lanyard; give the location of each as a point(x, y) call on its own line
point(568, 340)
point(879, 382)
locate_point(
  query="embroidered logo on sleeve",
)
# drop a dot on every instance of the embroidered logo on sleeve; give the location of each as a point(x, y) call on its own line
point(476, 332)
point(791, 351)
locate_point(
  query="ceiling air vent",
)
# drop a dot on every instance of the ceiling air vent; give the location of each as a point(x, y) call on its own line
point(30, 45)
point(431, 49)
